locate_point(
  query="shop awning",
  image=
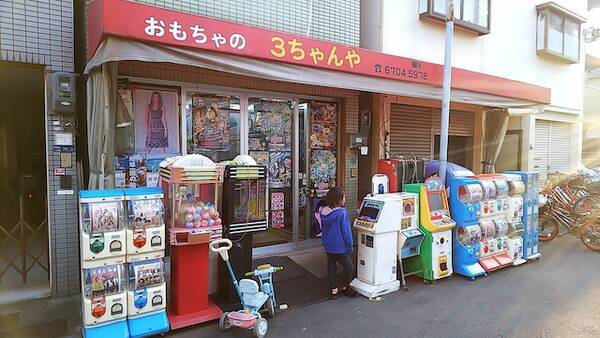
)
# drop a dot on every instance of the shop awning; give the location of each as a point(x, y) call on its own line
point(118, 49)
point(120, 30)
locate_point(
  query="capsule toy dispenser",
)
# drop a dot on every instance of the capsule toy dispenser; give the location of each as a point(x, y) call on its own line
point(192, 186)
point(530, 216)
point(436, 224)
point(516, 189)
point(146, 287)
point(102, 253)
point(465, 208)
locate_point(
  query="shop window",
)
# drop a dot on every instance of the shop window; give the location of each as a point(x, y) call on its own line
point(213, 125)
point(473, 15)
point(146, 132)
point(558, 32)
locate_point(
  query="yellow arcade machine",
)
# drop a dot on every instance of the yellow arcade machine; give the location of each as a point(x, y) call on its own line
point(436, 224)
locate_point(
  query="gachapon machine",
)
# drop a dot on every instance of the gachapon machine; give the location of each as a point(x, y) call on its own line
point(501, 194)
point(489, 206)
point(104, 301)
point(145, 222)
point(465, 208)
point(488, 243)
point(192, 186)
point(514, 215)
point(102, 225)
point(146, 298)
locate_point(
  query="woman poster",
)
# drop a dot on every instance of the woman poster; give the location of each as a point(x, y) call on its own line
point(156, 121)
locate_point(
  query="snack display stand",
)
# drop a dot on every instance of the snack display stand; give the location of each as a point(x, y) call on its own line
point(102, 252)
point(191, 185)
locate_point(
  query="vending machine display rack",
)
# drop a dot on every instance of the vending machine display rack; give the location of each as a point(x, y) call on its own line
point(145, 223)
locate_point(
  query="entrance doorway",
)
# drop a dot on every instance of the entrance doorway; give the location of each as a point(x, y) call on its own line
point(24, 272)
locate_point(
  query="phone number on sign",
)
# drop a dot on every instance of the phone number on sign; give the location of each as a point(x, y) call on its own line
point(402, 72)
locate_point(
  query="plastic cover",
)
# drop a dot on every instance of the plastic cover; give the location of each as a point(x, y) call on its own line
point(516, 188)
point(470, 193)
point(489, 189)
point(469, 234)
point(145, 213)
point(104, 280)
point(501, 227)
point(145, 274)
point(100, 217)
point(501, 188)
point(488, 229)
point(195, 207)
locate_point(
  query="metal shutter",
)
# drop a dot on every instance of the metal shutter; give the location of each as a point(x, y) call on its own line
point(410, 131)
point(541, 148)
point(461, 123)
point(559, 158)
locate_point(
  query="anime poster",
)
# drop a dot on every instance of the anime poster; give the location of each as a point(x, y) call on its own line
point(323, 112)
point(104, 216)
point(261, 157)
point(322, 136)
point(210, 122)
point(270, 124)
point(147, 274)
point(156, 120)
point(280, 169)
point(105, 280)
point(323, 169)
point(277, 219)
point(146, 213)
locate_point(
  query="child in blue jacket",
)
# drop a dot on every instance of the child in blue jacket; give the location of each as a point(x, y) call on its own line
point(336, 239)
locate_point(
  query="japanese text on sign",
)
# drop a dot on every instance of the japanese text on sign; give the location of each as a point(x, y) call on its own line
point(298, 51)
point(196, 33)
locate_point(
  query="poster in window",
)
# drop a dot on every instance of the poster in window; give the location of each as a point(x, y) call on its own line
point(322, 136)
point(322, 169)
point(210, 115)
point(277, 219)
point(156, 121)
point(323, 112)
point(280, 169)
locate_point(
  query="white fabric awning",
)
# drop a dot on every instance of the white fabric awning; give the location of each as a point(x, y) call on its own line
point(117, 49)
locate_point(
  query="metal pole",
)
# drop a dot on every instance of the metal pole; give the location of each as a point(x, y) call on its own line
point(446, 89)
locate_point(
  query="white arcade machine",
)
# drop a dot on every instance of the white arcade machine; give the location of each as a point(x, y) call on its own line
point(102, 250)
point(378, 225)
point(409, 236)
point(516, 189)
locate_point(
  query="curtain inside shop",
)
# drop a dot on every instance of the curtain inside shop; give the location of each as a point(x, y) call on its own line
point(101, 107)
point(496, 123)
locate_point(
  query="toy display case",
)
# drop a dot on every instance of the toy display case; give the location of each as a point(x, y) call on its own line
point(101, 224)
point(145, 222)
point(516, 189)
point(244, 208)
point(191, 184)
point(530, 214)
point(146, 298)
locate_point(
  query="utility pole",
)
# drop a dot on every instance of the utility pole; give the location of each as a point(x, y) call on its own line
point(446, 89)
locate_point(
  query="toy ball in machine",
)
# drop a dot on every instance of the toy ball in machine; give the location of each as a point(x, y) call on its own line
point(199, 215)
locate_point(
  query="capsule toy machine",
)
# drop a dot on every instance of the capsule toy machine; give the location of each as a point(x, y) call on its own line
point(409, 236)
point(516, 189)
point(244, 214)
point(378, 225)
point(436, 224)
point(146, 287)
point(191, 184)
point(493, 253)
point(530, 214)
point(465, 207)
point(102, 253)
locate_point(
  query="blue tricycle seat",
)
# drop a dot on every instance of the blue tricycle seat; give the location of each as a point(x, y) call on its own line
point(253, 298)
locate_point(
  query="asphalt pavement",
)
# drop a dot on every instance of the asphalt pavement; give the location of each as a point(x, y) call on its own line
point(557, 296)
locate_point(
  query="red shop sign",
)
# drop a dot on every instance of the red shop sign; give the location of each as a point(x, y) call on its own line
point(148, 23)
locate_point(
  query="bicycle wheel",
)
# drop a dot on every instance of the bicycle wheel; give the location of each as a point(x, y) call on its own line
point(548, 229)
point(590, 234)
point(585, 205)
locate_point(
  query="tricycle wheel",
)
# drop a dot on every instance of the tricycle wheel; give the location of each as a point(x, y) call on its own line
point(224, 322)
point(271, 307)
point(260, 328)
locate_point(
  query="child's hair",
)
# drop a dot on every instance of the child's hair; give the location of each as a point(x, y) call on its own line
point(334, 197)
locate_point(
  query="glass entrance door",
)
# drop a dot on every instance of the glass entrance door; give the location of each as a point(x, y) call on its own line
point(270, 140)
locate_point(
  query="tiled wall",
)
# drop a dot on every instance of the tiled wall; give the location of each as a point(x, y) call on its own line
point(331, 20)
point(41, 32)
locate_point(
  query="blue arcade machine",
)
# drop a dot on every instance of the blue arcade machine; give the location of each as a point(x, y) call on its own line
point(465, 208)
point(530, 214)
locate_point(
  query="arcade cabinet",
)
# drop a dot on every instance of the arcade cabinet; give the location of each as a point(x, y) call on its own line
point(409, 236)
point(244, 213)
point(465, 198)
point(516, 189)
point(436, 224)
point(147, 290)
point(493, 254)
point(191, 185)
point(530, 214)
point(378, 226)
point(102, 250)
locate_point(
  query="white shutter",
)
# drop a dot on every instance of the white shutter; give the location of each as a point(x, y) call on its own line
point(560, 147)
point(541, 148)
